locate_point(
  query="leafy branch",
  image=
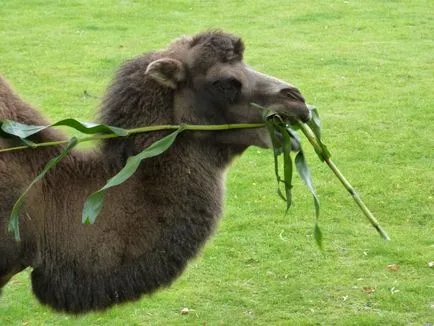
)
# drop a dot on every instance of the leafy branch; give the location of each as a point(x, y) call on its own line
point(22, 131)
point(324, 155)
point(285, 130)
point(94, 203)
point(282, 132)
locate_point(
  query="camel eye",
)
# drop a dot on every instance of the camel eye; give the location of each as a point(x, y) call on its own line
point(235, 83)
point(227, 88)
point(227, 83)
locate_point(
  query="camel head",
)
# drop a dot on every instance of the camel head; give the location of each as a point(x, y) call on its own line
point(212, 85)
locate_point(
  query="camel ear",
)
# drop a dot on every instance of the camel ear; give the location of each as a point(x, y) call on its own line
point(168, 72)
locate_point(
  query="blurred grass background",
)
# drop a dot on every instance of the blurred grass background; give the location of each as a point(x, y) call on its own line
point(368, 67)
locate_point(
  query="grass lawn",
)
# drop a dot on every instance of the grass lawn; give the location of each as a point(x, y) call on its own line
point(369, 68)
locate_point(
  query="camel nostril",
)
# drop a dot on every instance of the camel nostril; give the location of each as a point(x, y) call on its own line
point(292, 93)
point(307, 116)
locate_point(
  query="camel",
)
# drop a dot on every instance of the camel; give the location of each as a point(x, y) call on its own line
point(158, 220)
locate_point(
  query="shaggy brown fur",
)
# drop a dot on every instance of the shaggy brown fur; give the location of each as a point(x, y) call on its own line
point(153, 224)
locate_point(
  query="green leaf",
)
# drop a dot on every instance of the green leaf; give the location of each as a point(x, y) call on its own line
point(317, 234)
point(14, 128)
point(304, 172)
point(315, 122)
point(91, 128)
point(13, 225)
point(10, 127)
point(277, 150)
point(278, 125)
point(287, 164)
point(315, 125)
point(94, 203)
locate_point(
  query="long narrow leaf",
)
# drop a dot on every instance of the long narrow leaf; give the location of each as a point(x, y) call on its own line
point(10, 127)
point(315, 125)
point(13, 225)
point(14, 128)
point(287, 165)
point(317, 234)
point(304, 172)
point(94, 203)
point(277, 150)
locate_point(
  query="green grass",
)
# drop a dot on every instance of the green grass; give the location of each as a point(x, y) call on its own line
point(368, 67)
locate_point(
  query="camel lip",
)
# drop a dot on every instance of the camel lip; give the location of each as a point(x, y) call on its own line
point(299, 112)
point(294, 111)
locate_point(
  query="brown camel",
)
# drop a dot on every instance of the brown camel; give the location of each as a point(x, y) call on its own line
point(154, 223)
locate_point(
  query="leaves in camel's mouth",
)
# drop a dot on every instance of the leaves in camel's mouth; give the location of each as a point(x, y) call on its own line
point(284, 137)
point(94, 203)
point(283, 133)
point(286, 140)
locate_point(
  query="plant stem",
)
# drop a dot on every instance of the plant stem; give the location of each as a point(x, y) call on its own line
point(315, 143)
point(357, 199)
point(197, 127)
point(142, 130)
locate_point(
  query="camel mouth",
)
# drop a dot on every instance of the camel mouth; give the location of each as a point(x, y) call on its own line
point(291, 116)
point(292, 113)
point(296, 112)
